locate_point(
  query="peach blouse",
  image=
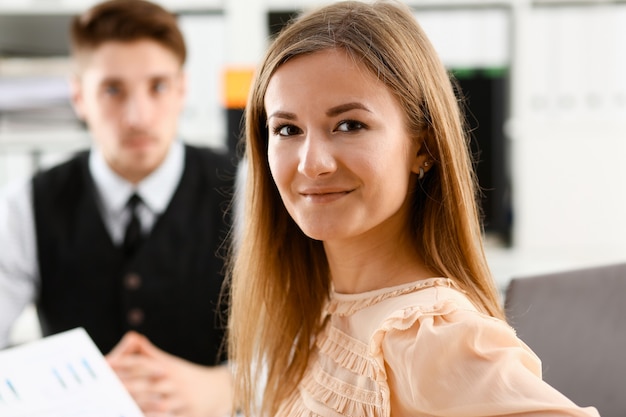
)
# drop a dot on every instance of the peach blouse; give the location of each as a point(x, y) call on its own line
point(421, 349)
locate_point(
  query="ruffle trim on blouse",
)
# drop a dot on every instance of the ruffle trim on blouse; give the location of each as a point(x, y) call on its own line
point(321, 391)
point(346, 307)
point(347, 353)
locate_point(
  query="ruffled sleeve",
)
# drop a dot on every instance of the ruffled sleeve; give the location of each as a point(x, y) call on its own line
point(455, 361)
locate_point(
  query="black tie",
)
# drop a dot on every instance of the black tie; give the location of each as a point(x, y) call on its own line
point(132, 237)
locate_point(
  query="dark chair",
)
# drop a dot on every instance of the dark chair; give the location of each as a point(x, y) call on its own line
point(575, 321)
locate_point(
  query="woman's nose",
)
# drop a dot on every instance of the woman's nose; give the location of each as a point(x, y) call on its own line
point(317, 157)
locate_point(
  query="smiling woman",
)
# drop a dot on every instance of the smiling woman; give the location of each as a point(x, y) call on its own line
point(360, 282)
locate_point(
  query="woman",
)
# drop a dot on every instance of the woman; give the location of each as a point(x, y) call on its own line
point(360, 286)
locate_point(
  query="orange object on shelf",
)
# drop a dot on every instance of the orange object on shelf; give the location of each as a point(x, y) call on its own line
point(237, 82)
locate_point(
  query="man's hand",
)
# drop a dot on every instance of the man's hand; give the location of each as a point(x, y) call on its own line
point(165, 385)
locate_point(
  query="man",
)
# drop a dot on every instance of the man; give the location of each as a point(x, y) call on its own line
point(123, 240)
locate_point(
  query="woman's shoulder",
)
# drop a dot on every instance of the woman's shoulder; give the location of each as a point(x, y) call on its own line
point(401, 310)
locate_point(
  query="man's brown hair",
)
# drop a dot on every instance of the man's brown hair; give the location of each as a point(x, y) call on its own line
point(126, 21)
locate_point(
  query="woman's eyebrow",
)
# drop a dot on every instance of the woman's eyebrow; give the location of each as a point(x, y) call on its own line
point(342, 108)
point(283, 115)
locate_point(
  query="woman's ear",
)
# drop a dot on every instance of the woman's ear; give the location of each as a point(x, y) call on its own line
point(421, 165)
point(418, 163)
point(422, 162)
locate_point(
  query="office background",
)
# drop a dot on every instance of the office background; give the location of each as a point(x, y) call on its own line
point(544, 81)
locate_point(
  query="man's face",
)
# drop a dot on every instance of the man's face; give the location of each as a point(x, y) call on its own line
point(131, 96)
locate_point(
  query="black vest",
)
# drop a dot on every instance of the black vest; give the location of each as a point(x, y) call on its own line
point(169, 291)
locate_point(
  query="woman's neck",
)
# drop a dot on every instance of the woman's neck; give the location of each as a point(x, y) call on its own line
point(362, 264)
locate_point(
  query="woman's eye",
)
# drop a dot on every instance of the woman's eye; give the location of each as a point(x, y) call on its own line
point(286, 130)
point(349, 125)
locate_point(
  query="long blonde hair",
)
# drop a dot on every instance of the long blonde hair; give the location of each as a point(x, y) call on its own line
point(280, 277)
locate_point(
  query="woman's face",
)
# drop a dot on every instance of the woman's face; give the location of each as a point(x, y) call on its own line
point(339, 150)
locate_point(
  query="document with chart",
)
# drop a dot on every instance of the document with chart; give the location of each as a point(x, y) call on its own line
point(64, 375)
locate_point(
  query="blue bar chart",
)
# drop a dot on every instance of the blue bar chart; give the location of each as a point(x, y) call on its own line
point(62, 375)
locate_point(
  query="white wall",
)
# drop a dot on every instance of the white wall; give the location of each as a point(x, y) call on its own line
point(568, 130)
point(203, 120)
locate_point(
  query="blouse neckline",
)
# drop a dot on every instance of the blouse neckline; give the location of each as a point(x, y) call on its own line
point(346, 304)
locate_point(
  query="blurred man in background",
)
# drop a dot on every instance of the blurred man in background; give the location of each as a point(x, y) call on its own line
point(124, 239)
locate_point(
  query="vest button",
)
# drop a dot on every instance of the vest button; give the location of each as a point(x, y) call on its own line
point(132, 281)
point(135, 317)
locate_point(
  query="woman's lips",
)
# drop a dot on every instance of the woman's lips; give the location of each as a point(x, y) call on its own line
point(324, 196)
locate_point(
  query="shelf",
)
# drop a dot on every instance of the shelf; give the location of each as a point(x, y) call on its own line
point(43, 140)
point(64, 7)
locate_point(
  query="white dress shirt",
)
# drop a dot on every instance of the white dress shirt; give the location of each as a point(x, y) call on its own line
point(19, 269)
